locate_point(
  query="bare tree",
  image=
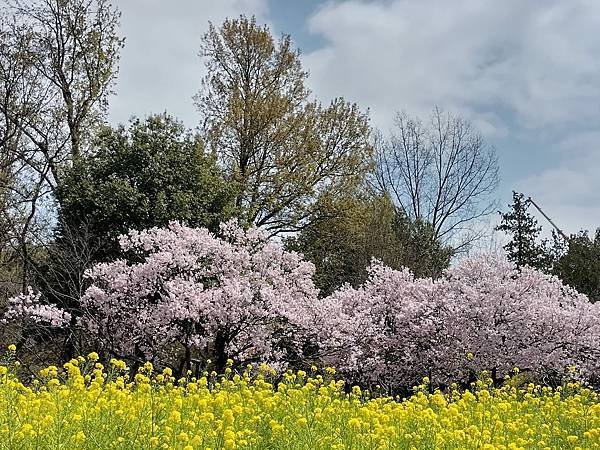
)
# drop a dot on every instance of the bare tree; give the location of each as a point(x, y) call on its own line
point(58, 63)
point(441, 171)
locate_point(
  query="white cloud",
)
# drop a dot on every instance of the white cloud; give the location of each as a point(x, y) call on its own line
point(537, 59)
point(525, 72)
point(160, 68)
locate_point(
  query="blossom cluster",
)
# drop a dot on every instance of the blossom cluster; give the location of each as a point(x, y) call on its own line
point(229, 297)
point(483, 314)
point(181, 293)
point(28, 307)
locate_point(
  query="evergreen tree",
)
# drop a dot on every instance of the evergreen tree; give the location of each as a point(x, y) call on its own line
point(579, 265)
point(143, 176)
point(523, 248)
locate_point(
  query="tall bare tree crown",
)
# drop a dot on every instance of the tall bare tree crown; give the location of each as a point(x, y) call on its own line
point(441, 171)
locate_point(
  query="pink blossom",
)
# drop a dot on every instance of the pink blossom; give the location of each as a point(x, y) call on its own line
point(235, 297)
point(28, 307)
point(483, 314)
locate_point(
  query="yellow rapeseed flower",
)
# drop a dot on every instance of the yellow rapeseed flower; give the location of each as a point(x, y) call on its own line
point(252, 410)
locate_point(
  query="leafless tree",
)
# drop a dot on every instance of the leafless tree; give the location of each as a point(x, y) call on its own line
point(58, 63)
point(441, 171)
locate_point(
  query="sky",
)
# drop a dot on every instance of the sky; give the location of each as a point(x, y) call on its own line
point(525, 73)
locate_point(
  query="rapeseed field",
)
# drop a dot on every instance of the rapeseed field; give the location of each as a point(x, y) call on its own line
point(85, 405)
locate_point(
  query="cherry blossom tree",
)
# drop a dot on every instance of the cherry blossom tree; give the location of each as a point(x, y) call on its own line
point(235, 297)
point(507, 317)
point(484, 314)
point(28, 307)
point(181, 293)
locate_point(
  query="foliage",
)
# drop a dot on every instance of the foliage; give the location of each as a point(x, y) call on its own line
point(353, 230)
point(87, 406)
point(60, 61)
point(421, 252)
point(523, 248)
point(484, 314)
point(146, 175)
point(280, 149)
point(576, 260)
point(579, 264)
point(58, 65)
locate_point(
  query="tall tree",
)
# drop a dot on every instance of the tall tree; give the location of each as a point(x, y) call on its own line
point(280, 149)
point(579, 264)
point(523, 248)
point(140, 177)
point(58, 63)
point(9, 216)
point(441, 172)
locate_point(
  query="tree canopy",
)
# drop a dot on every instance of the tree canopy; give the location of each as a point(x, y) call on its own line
point(363, 227)
point(145, 175)
point(279, 148)
point(523, 247)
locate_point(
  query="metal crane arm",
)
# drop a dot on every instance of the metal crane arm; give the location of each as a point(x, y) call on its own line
point(530, 200)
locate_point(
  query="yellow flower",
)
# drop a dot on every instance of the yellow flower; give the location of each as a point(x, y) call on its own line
point(118, 364)
point(12, 348)
point(354, 423)
point(79, 436)
point(302, 422)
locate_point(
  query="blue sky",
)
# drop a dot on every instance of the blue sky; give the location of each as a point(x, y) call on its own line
point(526, 73)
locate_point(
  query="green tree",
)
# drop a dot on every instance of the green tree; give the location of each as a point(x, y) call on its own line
point(354, 230)
point(143, 176)
point(138, 177)
point(280, 149)
point(523, 248)
point(579, 265)
point(421, 250)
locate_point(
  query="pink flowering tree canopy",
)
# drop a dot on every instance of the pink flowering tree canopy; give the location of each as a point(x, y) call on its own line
point(235, 297)
point(184, 293)
point(28, 307)
point(484, 314)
